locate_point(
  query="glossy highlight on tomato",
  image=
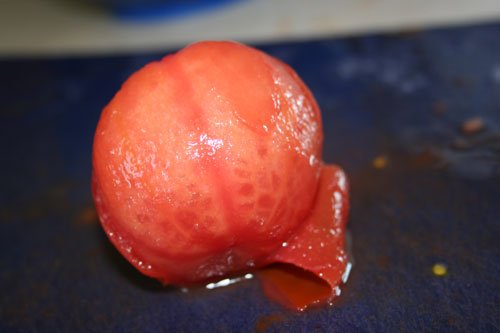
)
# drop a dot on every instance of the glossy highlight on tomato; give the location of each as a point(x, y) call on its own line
point(207, 162)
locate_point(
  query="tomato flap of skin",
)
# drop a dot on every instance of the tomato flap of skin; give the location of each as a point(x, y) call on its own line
point(316, 250)
point(206, 161)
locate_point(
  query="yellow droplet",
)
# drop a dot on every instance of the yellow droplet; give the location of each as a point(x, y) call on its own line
point(439, 269)
point(380, 162)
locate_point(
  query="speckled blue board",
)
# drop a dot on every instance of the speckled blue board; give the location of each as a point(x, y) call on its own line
point(402, 97)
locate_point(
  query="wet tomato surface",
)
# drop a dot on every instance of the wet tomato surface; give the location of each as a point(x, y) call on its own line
point(208, 163)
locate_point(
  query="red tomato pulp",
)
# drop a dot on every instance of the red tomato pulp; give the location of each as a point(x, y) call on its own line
point(205, 163)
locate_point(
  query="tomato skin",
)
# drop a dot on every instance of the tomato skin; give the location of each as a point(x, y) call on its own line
point(206, 161)
point(318, 245)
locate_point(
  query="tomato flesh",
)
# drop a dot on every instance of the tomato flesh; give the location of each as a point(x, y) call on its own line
point(205, 162)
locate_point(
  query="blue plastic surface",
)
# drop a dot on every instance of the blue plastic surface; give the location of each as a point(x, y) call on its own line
point(402, 96)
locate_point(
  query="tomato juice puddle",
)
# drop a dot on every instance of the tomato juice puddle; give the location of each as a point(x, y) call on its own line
point(291, 286)
point(298, 289)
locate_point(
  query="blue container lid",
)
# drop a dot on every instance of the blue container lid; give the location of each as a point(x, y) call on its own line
point(159, 9)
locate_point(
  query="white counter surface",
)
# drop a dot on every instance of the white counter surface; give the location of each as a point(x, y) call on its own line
point(62, 27)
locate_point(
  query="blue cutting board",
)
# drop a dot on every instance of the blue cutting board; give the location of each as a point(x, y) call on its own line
point(400, 97)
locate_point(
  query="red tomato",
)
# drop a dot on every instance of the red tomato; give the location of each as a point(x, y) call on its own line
point(205, 162)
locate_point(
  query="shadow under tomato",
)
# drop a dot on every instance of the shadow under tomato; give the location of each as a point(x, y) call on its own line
point(118, 263)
